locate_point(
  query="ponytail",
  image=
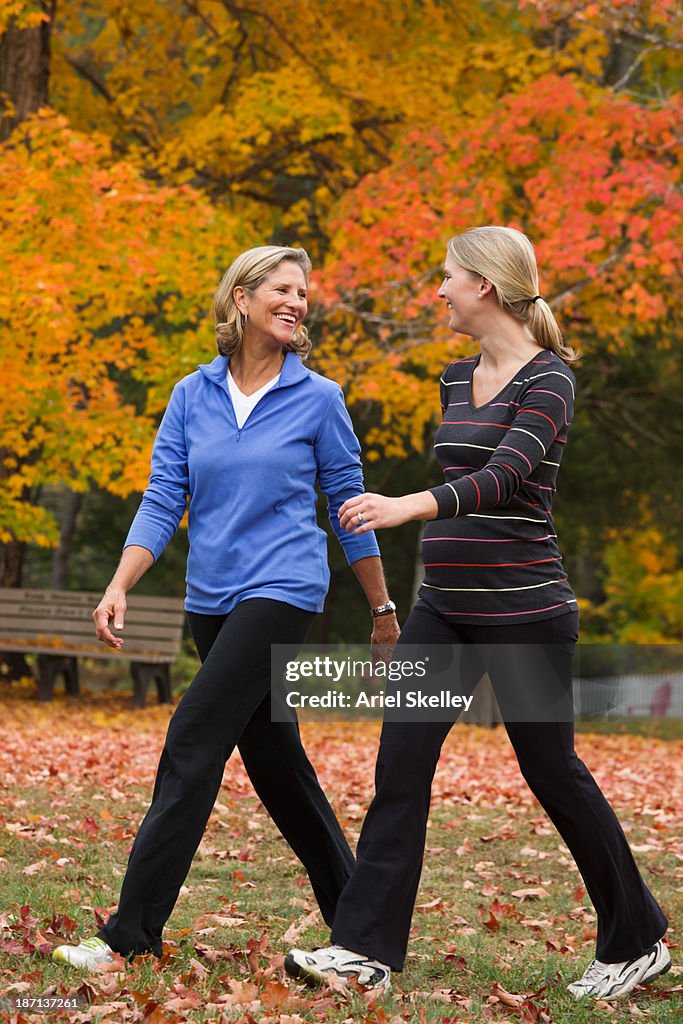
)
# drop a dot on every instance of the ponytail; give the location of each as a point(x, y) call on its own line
point(506, 258)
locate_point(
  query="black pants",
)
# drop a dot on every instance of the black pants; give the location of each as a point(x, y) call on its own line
point(228, 703)
point(374, 911)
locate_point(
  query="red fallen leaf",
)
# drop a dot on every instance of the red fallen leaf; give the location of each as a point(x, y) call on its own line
point(500, 994)
point(376, 1014)
point(322, 1006)
point(505, 910)
point(429, 906)
point(276, 995)
point(222, 920)
point(117, 965)
point(118, 1008)
point(184, 999)
point(530, 894)
point(90, 826)
point(42, 944)
point(579, 893)
point(297, 928)
point(47, 851)
point(212, 954)
point(26, 918)
point(100, 915)
point(33, 869)
point(12, 946)
point(85, 991)
point(492, 924)
point(240, 992)
point(254, 948)
point(159, 1016)
point(457, 962)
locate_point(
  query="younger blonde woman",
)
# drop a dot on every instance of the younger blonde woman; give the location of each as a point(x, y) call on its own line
point(496, 592)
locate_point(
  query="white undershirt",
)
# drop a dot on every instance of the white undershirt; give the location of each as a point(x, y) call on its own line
point(243, 404)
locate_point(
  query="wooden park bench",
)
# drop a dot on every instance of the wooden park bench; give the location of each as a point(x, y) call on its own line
point(57, 626)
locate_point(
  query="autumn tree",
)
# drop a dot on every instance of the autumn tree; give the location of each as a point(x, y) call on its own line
point(592, 173)
point(371, 131)
point(111, 283)
point(25, 32)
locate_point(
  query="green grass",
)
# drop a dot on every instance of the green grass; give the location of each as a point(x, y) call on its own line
point(652, 728)
point(463, 956)
point(477, 856)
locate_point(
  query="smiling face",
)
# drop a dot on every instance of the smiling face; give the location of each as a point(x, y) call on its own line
point(463, 292)
point(277, 307)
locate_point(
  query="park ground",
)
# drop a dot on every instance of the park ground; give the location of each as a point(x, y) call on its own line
point(502, 921)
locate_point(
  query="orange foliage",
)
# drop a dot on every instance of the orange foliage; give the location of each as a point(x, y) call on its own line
point(111, 281)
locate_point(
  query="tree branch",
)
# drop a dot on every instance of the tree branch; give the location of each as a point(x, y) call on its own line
point(90, 76)
point(557, 300)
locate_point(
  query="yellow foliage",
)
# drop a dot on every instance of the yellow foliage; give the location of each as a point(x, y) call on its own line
point(94, 248)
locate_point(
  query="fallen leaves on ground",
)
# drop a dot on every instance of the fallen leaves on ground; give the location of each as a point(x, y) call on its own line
point(93, 761)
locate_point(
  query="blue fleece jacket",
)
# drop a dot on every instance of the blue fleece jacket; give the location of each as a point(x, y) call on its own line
point(252, 518)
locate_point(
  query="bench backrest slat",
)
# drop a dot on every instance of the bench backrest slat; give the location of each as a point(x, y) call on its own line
point(55, 621)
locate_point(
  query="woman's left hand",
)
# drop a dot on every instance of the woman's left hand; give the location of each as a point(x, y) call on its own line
point(374, 512)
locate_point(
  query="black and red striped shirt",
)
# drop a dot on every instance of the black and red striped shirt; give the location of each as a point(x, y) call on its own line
point(492, 555)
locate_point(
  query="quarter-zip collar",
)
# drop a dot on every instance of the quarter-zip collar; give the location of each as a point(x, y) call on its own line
point(293, 371)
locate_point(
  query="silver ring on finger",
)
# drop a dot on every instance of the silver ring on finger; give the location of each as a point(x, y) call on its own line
point(359, 517)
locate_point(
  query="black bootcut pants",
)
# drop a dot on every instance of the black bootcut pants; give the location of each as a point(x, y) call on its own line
point(228, 704)
point(375, 909)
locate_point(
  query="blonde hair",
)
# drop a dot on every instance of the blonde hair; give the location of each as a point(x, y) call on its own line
point(248, 271)
point(506, 258)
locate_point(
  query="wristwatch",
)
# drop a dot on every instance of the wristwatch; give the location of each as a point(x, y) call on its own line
point(383, 609)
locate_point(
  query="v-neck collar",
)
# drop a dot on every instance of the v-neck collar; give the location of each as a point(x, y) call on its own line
point(502, 391)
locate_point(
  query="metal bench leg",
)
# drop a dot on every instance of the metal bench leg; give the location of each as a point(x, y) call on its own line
point(163, 681)
point(52, 665)
point(143, 674)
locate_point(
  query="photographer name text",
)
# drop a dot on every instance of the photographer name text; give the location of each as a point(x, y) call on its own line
point(410, 699)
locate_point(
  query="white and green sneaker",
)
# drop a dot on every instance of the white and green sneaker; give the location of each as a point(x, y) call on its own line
point(612, 981)
point(88, 953)
point(321, 965)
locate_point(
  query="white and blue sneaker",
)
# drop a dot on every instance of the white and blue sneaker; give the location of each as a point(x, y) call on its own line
point(88, 953)
point(611, 981)
point(335, 962)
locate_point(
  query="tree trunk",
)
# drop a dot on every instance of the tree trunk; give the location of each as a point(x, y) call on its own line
point(11, 563)
point(25, 69)
point(24, 79)
point(12, 664)
point(60, 559)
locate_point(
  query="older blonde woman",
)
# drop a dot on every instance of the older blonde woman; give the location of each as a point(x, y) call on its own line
point(246, 437)
point(494, 590)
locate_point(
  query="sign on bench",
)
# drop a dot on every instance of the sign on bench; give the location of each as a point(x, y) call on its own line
point(57, 626)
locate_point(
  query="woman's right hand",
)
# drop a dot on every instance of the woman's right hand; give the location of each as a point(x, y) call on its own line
point(112, 608)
